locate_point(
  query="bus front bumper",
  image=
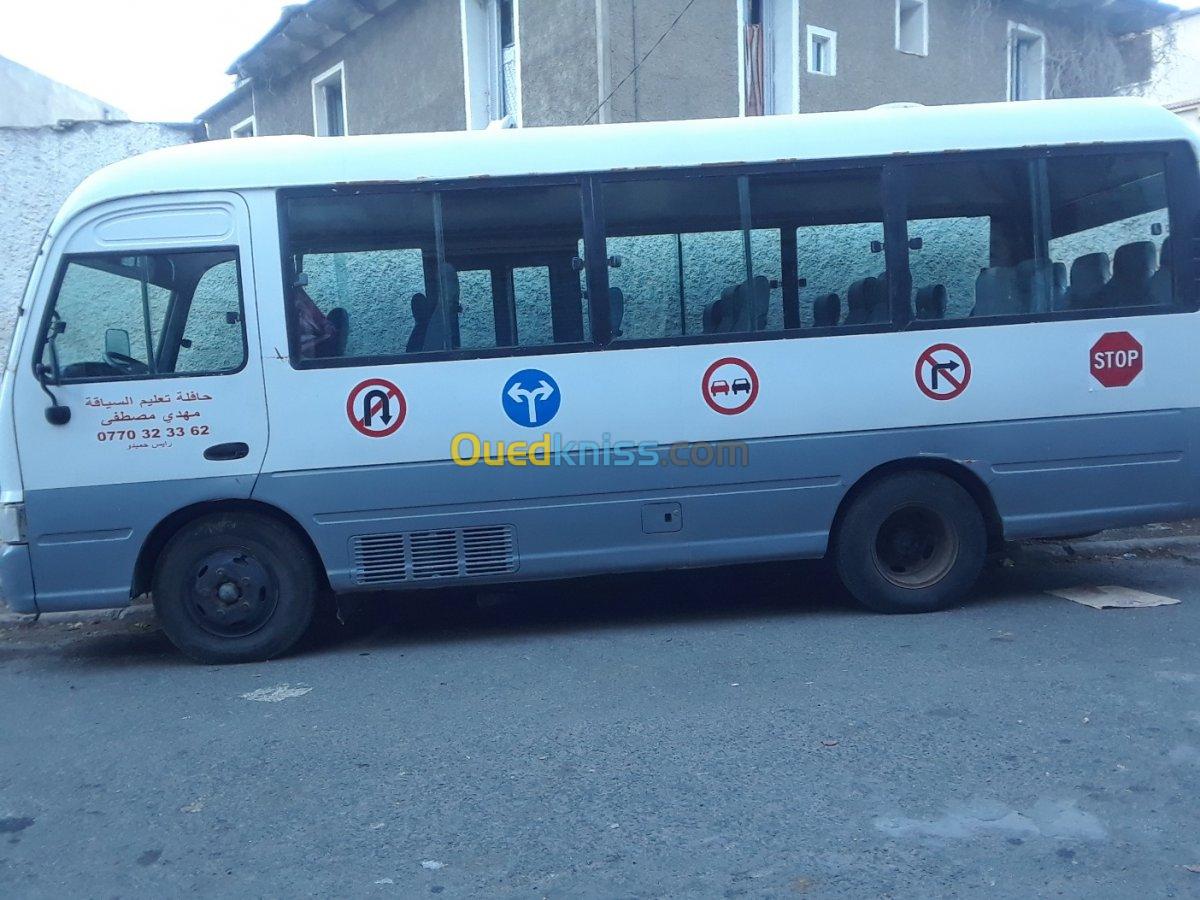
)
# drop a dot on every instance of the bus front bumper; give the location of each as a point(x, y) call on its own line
point(16, 578)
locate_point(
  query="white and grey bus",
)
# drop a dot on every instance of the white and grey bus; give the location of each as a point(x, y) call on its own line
point(248, 375)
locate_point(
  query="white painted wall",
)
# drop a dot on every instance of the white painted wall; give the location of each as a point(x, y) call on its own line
point(29, 99)
point(39, 167)
point(1177, 78)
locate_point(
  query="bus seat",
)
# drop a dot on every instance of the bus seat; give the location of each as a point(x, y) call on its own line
point(718, 315)
point(1160, 282)
point(827, 309)
point(995, 292)
point(339, 318)
point(429, 330)
point(616, 310)
point(877, 300)
point(756, 303)
point(856, 302)
point(1133, 267)
point(931, 302)
point(1039, 285)
point(1089, 274)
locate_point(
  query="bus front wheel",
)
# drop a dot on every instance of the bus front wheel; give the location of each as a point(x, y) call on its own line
point(235, 587)
point(910, 542)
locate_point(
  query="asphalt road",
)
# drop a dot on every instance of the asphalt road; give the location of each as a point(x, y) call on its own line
point(733, 733)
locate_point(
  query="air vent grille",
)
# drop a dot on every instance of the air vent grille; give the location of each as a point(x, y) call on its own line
point(442, 554)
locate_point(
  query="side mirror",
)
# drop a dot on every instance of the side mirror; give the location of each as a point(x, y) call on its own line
point(56, 414)
point(116, 343)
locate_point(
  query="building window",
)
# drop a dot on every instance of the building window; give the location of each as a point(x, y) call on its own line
point(768, 53)
point(329, 102)
point(1026, 63)
point(822, 51)
point(912, 27)
point(244, 129)
point(491, 62)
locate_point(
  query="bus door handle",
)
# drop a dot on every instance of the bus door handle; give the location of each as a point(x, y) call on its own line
point(221, 452)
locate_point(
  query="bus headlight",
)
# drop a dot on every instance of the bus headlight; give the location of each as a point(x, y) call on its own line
point(12, 523)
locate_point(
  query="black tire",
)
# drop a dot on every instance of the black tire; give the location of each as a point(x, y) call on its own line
point(911, 542)
point(235, 587)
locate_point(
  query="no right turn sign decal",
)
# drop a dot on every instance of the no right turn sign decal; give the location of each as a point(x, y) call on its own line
point(943, 372)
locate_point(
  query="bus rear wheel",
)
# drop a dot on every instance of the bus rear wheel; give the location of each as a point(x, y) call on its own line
point(235, 587)
point(911, 542)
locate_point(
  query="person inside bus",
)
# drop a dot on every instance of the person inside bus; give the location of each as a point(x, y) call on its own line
point(320, 335)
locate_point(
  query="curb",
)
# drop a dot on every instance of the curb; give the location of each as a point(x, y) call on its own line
point(1183, 547)
point(138, 613)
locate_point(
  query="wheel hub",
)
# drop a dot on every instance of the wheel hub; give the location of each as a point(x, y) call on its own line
point(232, 593)
point(915, 547)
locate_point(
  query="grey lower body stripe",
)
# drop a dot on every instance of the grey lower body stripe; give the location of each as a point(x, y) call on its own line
point(574, 501)
point(1088, 462)
point(83, 537)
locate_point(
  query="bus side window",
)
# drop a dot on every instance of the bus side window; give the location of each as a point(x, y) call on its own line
point(684, 259)
point(836, 221)
point(972, 248)
point(358, 285)
point(509, 257)
point(1110, 230)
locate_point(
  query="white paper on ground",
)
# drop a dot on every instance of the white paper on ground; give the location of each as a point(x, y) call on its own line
point(1109, 596)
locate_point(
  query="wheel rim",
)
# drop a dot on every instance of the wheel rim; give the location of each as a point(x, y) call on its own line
point(232, 594)
point(915, 547)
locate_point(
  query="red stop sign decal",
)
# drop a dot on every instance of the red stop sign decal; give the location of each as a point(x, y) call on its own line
point(1117, 359)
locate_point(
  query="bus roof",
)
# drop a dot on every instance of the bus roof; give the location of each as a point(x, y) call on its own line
point(295, 161)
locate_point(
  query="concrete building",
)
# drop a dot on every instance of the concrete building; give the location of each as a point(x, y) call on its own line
point(371, 66)
point(29, 99)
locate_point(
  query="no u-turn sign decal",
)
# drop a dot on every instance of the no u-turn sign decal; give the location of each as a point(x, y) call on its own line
point(376, 407)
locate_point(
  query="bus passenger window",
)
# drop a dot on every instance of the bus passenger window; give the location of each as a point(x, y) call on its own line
point(511, 260)
point(684, 260)
point(147, 315)
point(358, 285)
point(972, 248)
point(1110, 231)
point(836, 222)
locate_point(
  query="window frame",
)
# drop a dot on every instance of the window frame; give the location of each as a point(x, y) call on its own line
point(249, 121)
point(910, 4)
point(1018, 31)
point(61, 274)
point(319, 100)
point(1183, 192)
point(481, 35)
point(829, 39)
